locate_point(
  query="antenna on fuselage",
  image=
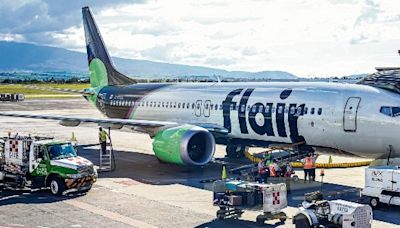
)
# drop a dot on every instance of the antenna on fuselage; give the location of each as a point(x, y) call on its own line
point(218, 78)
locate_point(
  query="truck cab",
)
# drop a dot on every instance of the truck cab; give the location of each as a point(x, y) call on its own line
point(38, 163)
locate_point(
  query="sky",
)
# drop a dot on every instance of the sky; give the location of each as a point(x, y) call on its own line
point(304, 37)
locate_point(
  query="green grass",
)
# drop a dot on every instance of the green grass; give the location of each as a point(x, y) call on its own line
point(31, 93)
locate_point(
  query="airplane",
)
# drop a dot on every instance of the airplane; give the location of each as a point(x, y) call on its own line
point(187, 120)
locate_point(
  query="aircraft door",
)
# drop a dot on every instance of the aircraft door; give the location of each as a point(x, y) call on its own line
point(350, 114)
point(36, 156)
point(198, 108)
point(396, 181)
point(206, 109)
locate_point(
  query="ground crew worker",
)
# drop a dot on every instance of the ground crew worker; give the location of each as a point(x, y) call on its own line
point(103, 140)
point(273, 168)
point(309, 167)
point(262, 171)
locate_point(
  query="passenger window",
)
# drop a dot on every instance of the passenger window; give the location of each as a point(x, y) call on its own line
point(162, 104)
point(312, 111)
point(319, 111)
point(183, 105)
point(179, 105)
point(188, 105)
point(220, 107)
point(299, 109)
point(216, 106)
point(192, 105)
point(305, 111)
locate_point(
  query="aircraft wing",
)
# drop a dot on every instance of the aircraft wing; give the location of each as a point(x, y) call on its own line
point(72, 121)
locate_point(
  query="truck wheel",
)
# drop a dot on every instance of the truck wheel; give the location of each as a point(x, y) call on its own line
point(57, 186)
point(301, 221)
point(374, 202)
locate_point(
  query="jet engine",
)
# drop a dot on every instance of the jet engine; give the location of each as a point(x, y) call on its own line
point(184, 145)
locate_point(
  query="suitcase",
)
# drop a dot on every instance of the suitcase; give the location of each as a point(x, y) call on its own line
point(235, 200)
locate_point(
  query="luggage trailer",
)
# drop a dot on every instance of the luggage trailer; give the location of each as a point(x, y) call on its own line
point(234, 197)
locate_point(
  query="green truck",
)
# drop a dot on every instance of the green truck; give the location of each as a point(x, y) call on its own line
point(35, 163)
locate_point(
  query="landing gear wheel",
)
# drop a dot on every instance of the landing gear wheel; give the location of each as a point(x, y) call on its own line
point(57, 186)
point(301, 222)
point(260, 220)
point(374, 202)
point(235, 150)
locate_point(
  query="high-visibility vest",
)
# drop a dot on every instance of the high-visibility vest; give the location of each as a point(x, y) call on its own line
point(272, 171)
point(309, 163)
point(103, 136)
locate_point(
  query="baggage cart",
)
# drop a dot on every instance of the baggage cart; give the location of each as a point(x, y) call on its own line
point(234, 197)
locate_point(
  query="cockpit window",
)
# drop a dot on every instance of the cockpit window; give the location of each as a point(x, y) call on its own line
point(390, 111)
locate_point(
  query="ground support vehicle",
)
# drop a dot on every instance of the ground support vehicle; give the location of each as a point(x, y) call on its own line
point(34, 163)
point(234, 197)
point(11, 97)
point(382, 185)
point(316, 212)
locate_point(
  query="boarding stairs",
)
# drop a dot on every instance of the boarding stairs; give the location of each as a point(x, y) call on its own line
point(107, 161)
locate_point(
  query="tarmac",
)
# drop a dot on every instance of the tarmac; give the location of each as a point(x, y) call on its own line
point(142, 192)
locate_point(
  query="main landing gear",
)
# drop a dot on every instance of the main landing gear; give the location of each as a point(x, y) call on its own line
point(235, 150)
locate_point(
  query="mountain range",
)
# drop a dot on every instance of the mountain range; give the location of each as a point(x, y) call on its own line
point(30, 57)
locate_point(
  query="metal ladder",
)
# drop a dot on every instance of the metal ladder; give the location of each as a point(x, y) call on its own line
point(107, 159)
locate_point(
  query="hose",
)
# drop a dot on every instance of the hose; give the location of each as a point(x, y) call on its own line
point(251, 157)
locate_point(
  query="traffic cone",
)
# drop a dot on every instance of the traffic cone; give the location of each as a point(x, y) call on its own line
point(224, 175)
point(330, 159)
point(73, 138)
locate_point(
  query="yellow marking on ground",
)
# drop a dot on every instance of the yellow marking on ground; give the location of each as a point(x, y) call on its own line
point(108, 214)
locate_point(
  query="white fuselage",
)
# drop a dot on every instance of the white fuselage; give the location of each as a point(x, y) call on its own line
point(328, 116)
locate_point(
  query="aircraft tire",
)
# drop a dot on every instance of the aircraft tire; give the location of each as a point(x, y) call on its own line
point(235, 151)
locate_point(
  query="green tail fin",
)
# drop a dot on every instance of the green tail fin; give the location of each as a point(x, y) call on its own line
point(102, 70)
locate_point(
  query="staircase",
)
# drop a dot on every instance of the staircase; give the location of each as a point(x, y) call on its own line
point(106, 159)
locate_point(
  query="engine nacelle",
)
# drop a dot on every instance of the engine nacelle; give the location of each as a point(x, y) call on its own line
point(184, 145)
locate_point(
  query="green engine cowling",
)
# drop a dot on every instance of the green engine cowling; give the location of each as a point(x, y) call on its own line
point(184, 145)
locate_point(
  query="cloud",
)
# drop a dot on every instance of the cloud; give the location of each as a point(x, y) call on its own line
point(328, 37)
point(41, 16)
point(369, 13)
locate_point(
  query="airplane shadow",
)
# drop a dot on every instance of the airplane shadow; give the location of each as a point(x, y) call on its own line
point(9, 197)
point(145, 168)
